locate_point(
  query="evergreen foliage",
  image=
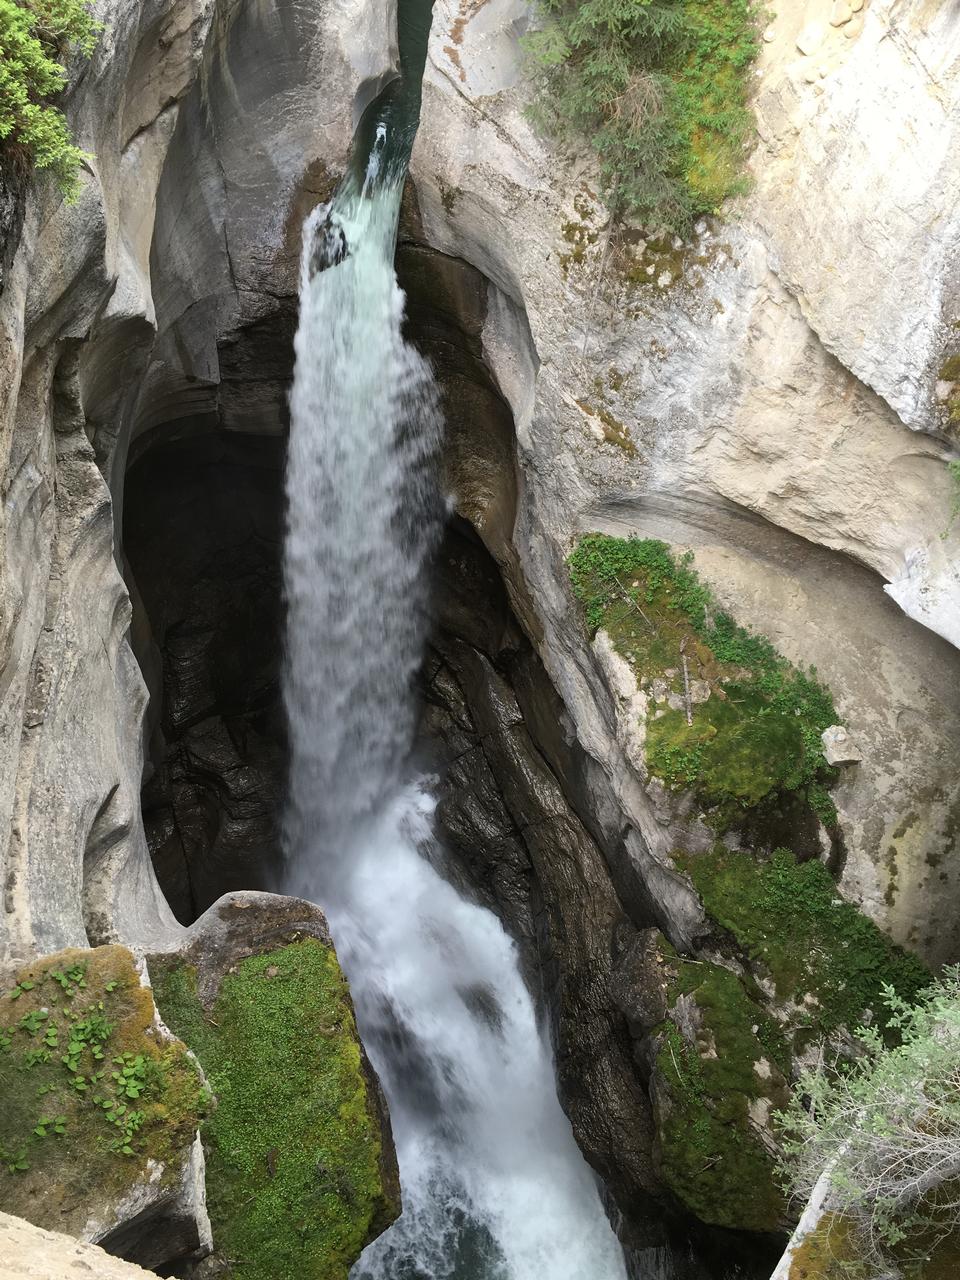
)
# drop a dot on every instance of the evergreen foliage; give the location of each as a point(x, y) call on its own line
point(659, 88)
point(35, 39)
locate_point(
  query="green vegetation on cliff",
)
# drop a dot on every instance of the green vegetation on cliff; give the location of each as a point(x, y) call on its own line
point(659, 89)
point(708, 1093)
point(727, 1050)
point(294, 1184)
point(888, 1130)
point(756, 738)
point(35, 40)
point(787, 916)
point(89, 1091)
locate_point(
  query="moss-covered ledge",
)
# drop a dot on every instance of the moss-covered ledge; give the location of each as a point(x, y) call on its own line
point(787, 967)
point(301, 1171)
point(728, 719)
point(100, 1107)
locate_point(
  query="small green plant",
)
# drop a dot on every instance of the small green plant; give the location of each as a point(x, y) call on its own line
point(35, 40)
point(131, 1078)
point(15, 1161)
point(58, 1124)
point(659, 89)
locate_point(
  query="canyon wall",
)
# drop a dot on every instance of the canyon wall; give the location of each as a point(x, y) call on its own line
point(773, 396)
point(768, 396)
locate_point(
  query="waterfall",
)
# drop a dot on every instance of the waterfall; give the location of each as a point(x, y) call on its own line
point(494, 1187)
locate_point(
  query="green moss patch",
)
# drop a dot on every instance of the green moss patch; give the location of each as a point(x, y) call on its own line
point(294, 1182)
point(709, 1153)
point(787, 915)
point(757, 737)
point(712, 98)
point(90, 1093)
point(836, 1250)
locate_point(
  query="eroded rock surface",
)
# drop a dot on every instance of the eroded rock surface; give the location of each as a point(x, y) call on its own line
point(211, 124)
point(31, 1253)
point(725, 397)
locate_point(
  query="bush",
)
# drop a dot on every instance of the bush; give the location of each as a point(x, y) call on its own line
point(888, 1131)
point(659, 88)
point(35, 38)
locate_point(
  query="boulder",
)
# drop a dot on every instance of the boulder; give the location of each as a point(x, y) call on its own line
point(301, 1168)
point(101, 1109)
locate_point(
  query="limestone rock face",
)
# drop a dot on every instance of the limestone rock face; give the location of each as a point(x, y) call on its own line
point(30, 1253)
point(209, 122)
point(772, 390)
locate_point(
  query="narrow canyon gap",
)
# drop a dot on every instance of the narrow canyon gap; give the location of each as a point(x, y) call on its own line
point(494, 1186)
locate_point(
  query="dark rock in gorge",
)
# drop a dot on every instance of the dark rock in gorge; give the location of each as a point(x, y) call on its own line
point(203, 534)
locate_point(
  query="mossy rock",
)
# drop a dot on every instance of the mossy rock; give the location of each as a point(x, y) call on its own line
point(719, 1078)
point(301, 1172)
point(820, 952)
point(835, 1250)
point(751, 753)
point(100, 1105)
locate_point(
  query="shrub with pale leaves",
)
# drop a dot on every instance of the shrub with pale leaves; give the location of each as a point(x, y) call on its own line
point(888, 1128)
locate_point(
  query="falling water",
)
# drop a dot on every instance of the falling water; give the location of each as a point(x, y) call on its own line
point(494, 1187)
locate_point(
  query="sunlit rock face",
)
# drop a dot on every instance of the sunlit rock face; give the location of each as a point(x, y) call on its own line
point(766, 396)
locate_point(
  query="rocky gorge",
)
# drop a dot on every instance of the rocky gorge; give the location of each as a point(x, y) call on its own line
point(658, 452)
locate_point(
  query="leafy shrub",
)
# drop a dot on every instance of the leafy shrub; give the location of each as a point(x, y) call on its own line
point(35, 38)
point(659, 88)
point(888, 1132)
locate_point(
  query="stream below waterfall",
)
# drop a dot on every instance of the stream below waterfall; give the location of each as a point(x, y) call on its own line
point(494, 1186)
